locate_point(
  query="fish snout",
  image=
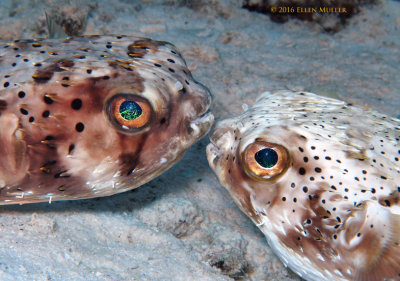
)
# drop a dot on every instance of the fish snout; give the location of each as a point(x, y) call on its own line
point(200, 126)
point(222, 143)
point(203, 118)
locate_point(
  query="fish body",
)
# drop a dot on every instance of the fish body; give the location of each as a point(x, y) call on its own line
point(93, 116)
point(321, 179)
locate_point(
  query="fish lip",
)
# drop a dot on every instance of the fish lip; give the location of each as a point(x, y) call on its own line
point(213, 137)
point(218, 131)
point(203, 116)
point(212, 153)
point(214, 150)
point(202, 124)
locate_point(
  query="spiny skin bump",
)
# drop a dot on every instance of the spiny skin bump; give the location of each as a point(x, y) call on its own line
point(61, 132)
point(331, 211)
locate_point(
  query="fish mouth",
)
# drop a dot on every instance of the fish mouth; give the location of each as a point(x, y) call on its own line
point(222, 139)
point(222, 134)
point(213, 153)
point(214, 136)
point(215, 148)
point(202, 124)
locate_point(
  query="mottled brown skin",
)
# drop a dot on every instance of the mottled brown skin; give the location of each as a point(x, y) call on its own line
point(57, 140)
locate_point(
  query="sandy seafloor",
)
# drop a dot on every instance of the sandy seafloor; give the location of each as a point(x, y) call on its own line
point(184, 225)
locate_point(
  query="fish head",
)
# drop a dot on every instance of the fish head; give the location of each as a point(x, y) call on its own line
point(320, 180)
point(281, 152)
point(137, 124)
point(252, 161)
point(93, 122)
point(148, 128)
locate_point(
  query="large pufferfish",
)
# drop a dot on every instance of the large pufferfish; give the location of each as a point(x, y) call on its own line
point(93, 116)
point(321, 179)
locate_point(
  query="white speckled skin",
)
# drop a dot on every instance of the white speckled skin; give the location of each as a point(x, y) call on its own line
point(334, 214)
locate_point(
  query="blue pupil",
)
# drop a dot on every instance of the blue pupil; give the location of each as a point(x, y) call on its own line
point(266, 158)
point(130, 110)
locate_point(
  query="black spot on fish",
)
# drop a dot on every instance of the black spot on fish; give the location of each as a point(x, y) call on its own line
point(46, 114)
point(47, 99)
point(24, 111)
point(71, 148)
point(79, 127)
point(76, 104)
point(21, 94)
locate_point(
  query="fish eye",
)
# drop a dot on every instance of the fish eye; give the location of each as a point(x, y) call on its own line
point(129, 112)
point(266, 157)
point(265, 160)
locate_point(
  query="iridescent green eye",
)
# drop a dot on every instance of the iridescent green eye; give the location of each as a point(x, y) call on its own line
point(129, 113)
point(130, 110)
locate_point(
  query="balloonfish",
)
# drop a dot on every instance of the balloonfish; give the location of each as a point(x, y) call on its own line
point(321, 179)
point(93, 116)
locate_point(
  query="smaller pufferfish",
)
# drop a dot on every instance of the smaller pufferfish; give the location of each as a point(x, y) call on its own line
point(321, 179)
point(93, 116)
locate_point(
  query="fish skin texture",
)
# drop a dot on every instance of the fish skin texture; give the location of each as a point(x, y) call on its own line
point(330, 209)
point(59, 132)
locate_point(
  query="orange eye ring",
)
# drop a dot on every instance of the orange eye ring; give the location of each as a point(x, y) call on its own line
point(129, 112)
point(265, 160)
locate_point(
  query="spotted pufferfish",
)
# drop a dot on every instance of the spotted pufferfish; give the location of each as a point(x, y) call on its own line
point(93, 116)
point(321, 179)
